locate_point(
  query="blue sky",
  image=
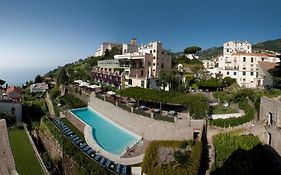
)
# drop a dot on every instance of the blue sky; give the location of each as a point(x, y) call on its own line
point(36, 36)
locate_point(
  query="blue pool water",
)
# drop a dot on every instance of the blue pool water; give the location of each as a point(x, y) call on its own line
point(108, 135)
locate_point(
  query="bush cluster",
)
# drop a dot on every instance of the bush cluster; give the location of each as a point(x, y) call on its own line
point(150, 164)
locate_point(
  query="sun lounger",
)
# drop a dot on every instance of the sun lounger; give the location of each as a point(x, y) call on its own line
point(75, 138)
point(69, 132)
point(107, 163)
point(97, 157)
point(83, 145)
point(90, 151)
point(101, 160)
point(86, 148)
point(119, 168)
point(77, 141)
point(124, 170)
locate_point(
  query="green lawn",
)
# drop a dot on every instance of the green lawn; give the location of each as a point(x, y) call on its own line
point(25, 159)
point(220, 109)
point(73, 128)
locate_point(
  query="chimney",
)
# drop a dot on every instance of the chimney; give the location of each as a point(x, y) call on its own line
point(134, 41)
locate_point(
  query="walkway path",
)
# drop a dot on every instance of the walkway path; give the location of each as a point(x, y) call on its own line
point(50, 104)
point(7, 162)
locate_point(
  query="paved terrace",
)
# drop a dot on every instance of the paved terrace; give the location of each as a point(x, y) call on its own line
point(7, 162)
point(145, 127)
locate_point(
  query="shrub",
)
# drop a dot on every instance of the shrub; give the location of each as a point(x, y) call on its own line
point(150, 164)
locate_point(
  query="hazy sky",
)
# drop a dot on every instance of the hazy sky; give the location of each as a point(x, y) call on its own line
point(40, 35)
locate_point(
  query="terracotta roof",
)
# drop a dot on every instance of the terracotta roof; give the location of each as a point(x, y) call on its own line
point(267, 66)
point(13, 89)
point(255, 54)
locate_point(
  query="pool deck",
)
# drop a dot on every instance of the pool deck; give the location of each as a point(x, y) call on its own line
point(148, 128)
point(125, 161)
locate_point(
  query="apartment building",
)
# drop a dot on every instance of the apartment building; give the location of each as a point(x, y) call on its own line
point(240, 63)
point(107, 46)
point(161, 59)
point(137, 66)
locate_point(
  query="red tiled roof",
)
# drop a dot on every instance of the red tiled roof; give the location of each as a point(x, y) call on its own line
point(13, 89)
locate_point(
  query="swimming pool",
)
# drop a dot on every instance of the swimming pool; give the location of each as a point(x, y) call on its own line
point(108, 135)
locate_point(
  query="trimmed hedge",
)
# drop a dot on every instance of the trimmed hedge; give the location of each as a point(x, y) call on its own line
point(230, 122)
point(86, 164)
point(150, 164)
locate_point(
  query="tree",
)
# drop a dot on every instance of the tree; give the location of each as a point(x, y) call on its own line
point(228, 81)
point(38, 79)
point(170, 78)
point(192, 50)
point(2, 82)
point(62, 77)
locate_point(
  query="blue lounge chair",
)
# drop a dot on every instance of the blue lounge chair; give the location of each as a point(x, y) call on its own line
point(74, 138)
point(124, 170)
point(78, 141)
point(101, 160)
point(71, 137)
point(83, 145)
point(107, 163)
point(97, 157)
point(90, 151)
point(65, 128)
point(86, 148)
point(119, 168)
point(69, 132)
point(66, 131)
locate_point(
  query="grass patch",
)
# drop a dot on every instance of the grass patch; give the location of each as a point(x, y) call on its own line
point(220, 109)
point(151, 164)
point(26, 161)
point(73, 128)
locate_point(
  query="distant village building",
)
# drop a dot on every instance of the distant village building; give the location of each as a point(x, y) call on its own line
point(138, 66)
point(270, 117)
point(10, 101)
point(265, 73)
point(38, 87)
point(240, 63)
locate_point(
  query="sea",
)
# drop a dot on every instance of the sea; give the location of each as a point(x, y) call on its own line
point(19, 76)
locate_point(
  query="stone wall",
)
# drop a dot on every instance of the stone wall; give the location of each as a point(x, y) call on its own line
point(79, 92)
point(51, 145)
point(270, 117)
point(75, 121)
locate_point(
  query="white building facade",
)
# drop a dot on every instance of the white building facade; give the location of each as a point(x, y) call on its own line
point(240, 63)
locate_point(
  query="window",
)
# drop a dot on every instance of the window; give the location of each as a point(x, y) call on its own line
point(162, 65)
point(244, 79)
point(234, 73)
point(150, 51)
point(130, 82)
point(252, 59)
point(154, 50)
point(154, 57)
point(162, 52)
point(227, 73)
point(244, 73)
point(252, 73)
point(227, 50)
point(244, 59)
point(153, 70)
point(142, 83)
point(153, 64)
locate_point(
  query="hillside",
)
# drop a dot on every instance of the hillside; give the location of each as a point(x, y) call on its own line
point(271, 45)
